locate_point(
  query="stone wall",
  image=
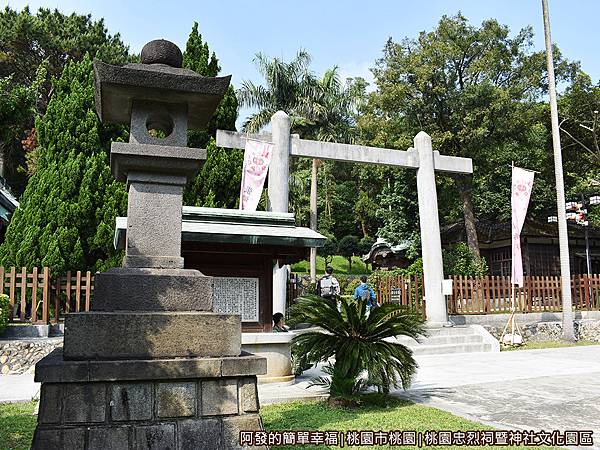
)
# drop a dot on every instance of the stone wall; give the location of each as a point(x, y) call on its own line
point(588, 330)
point(187, 414)
point(20, 355)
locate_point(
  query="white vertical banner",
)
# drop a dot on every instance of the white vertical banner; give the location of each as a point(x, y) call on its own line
point(522, 183)
point(257, 156)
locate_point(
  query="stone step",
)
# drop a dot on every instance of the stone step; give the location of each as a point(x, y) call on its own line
point(440, 340)
point(451, 348)
point(450, 331)
point(452, 339)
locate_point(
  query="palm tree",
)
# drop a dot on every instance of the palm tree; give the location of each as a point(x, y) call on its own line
point(288, 86)
point(321, 109)
point(359, 341)
point(329, 115)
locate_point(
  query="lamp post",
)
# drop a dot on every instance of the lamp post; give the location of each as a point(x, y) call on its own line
point(577, 212)
point(563, 239)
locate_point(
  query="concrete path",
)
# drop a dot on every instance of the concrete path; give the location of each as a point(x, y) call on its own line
point(18, 388)
point(528, 389)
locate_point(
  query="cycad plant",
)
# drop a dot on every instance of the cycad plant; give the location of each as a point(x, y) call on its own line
point(360, 342)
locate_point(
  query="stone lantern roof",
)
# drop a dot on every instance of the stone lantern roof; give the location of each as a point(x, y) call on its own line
point(158, 78)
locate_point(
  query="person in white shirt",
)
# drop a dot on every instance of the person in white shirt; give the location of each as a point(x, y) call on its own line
point(328, 286)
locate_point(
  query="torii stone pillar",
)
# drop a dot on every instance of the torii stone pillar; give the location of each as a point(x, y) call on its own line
point(278, 195)
point(431, 242)
point(422, 158)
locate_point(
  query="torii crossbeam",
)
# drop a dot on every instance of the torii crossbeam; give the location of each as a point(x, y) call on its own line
point(421, 157)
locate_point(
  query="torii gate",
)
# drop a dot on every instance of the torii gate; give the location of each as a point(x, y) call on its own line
point(421, 157)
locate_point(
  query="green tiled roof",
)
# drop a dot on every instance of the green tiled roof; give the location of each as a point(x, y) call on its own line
point(215, 225)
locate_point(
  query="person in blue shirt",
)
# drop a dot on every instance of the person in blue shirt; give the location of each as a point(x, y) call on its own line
point(365, 293)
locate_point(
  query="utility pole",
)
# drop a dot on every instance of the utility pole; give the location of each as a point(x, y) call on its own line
point(563, 238)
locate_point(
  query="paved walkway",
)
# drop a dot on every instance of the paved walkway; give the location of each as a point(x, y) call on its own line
point(18, 388)
point(528, 389)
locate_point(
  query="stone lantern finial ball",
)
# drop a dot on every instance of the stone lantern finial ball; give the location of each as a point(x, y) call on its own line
point(161, 51)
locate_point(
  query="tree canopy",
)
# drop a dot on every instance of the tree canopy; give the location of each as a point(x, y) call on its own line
point(476, 91)
point(67, 213)
point(218, 183)
point(34, 49)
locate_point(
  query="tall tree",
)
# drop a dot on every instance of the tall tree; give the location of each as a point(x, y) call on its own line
point(579, 111)
point(50, 39)
point(319, 108)
point(67, 213)
point(467, 87)
point(217, 184)
point(17, 107)
point(27, 40)
point(289, 87)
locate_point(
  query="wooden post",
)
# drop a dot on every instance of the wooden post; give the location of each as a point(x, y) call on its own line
point(527, 294)
point(596, 291)
point(68, 292)
point(536, 284)
point(57, 300)
point(78, 291)
point(461, 294)
point(495, 295)
point(88, 290)
point(549, 293)
point(586, 290)
point(11, 290)
point(486, 279)
point(23, 288)
point(418, 296)
point(45, 294)
point(508, 293)
point(34, 286)
point(11, 303)
point(473, 294)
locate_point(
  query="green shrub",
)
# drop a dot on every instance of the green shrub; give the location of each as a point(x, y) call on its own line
point(4, 311)
point(416, 268)
point(460, 260)
point(345, 281)
point(357, 340)
point(351, 286)
point(329, 249)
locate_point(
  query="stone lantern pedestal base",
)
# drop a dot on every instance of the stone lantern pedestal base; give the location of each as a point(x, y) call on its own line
point(182, 403)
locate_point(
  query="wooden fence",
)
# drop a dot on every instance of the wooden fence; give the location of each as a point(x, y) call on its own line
point(37, 297)
point(494, 294)
point(405, 290)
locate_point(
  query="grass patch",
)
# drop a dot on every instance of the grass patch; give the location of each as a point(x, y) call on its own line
point(339, 264)
point(376, 413)
point(533, 345)
point(17, 424)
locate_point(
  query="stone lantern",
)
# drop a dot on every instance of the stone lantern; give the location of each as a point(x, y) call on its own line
point(151, 365)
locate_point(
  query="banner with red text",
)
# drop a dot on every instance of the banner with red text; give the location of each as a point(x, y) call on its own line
point(257, 156)
point(522, 183)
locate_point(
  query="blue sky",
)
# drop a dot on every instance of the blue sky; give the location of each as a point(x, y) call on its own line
point(349, 34)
